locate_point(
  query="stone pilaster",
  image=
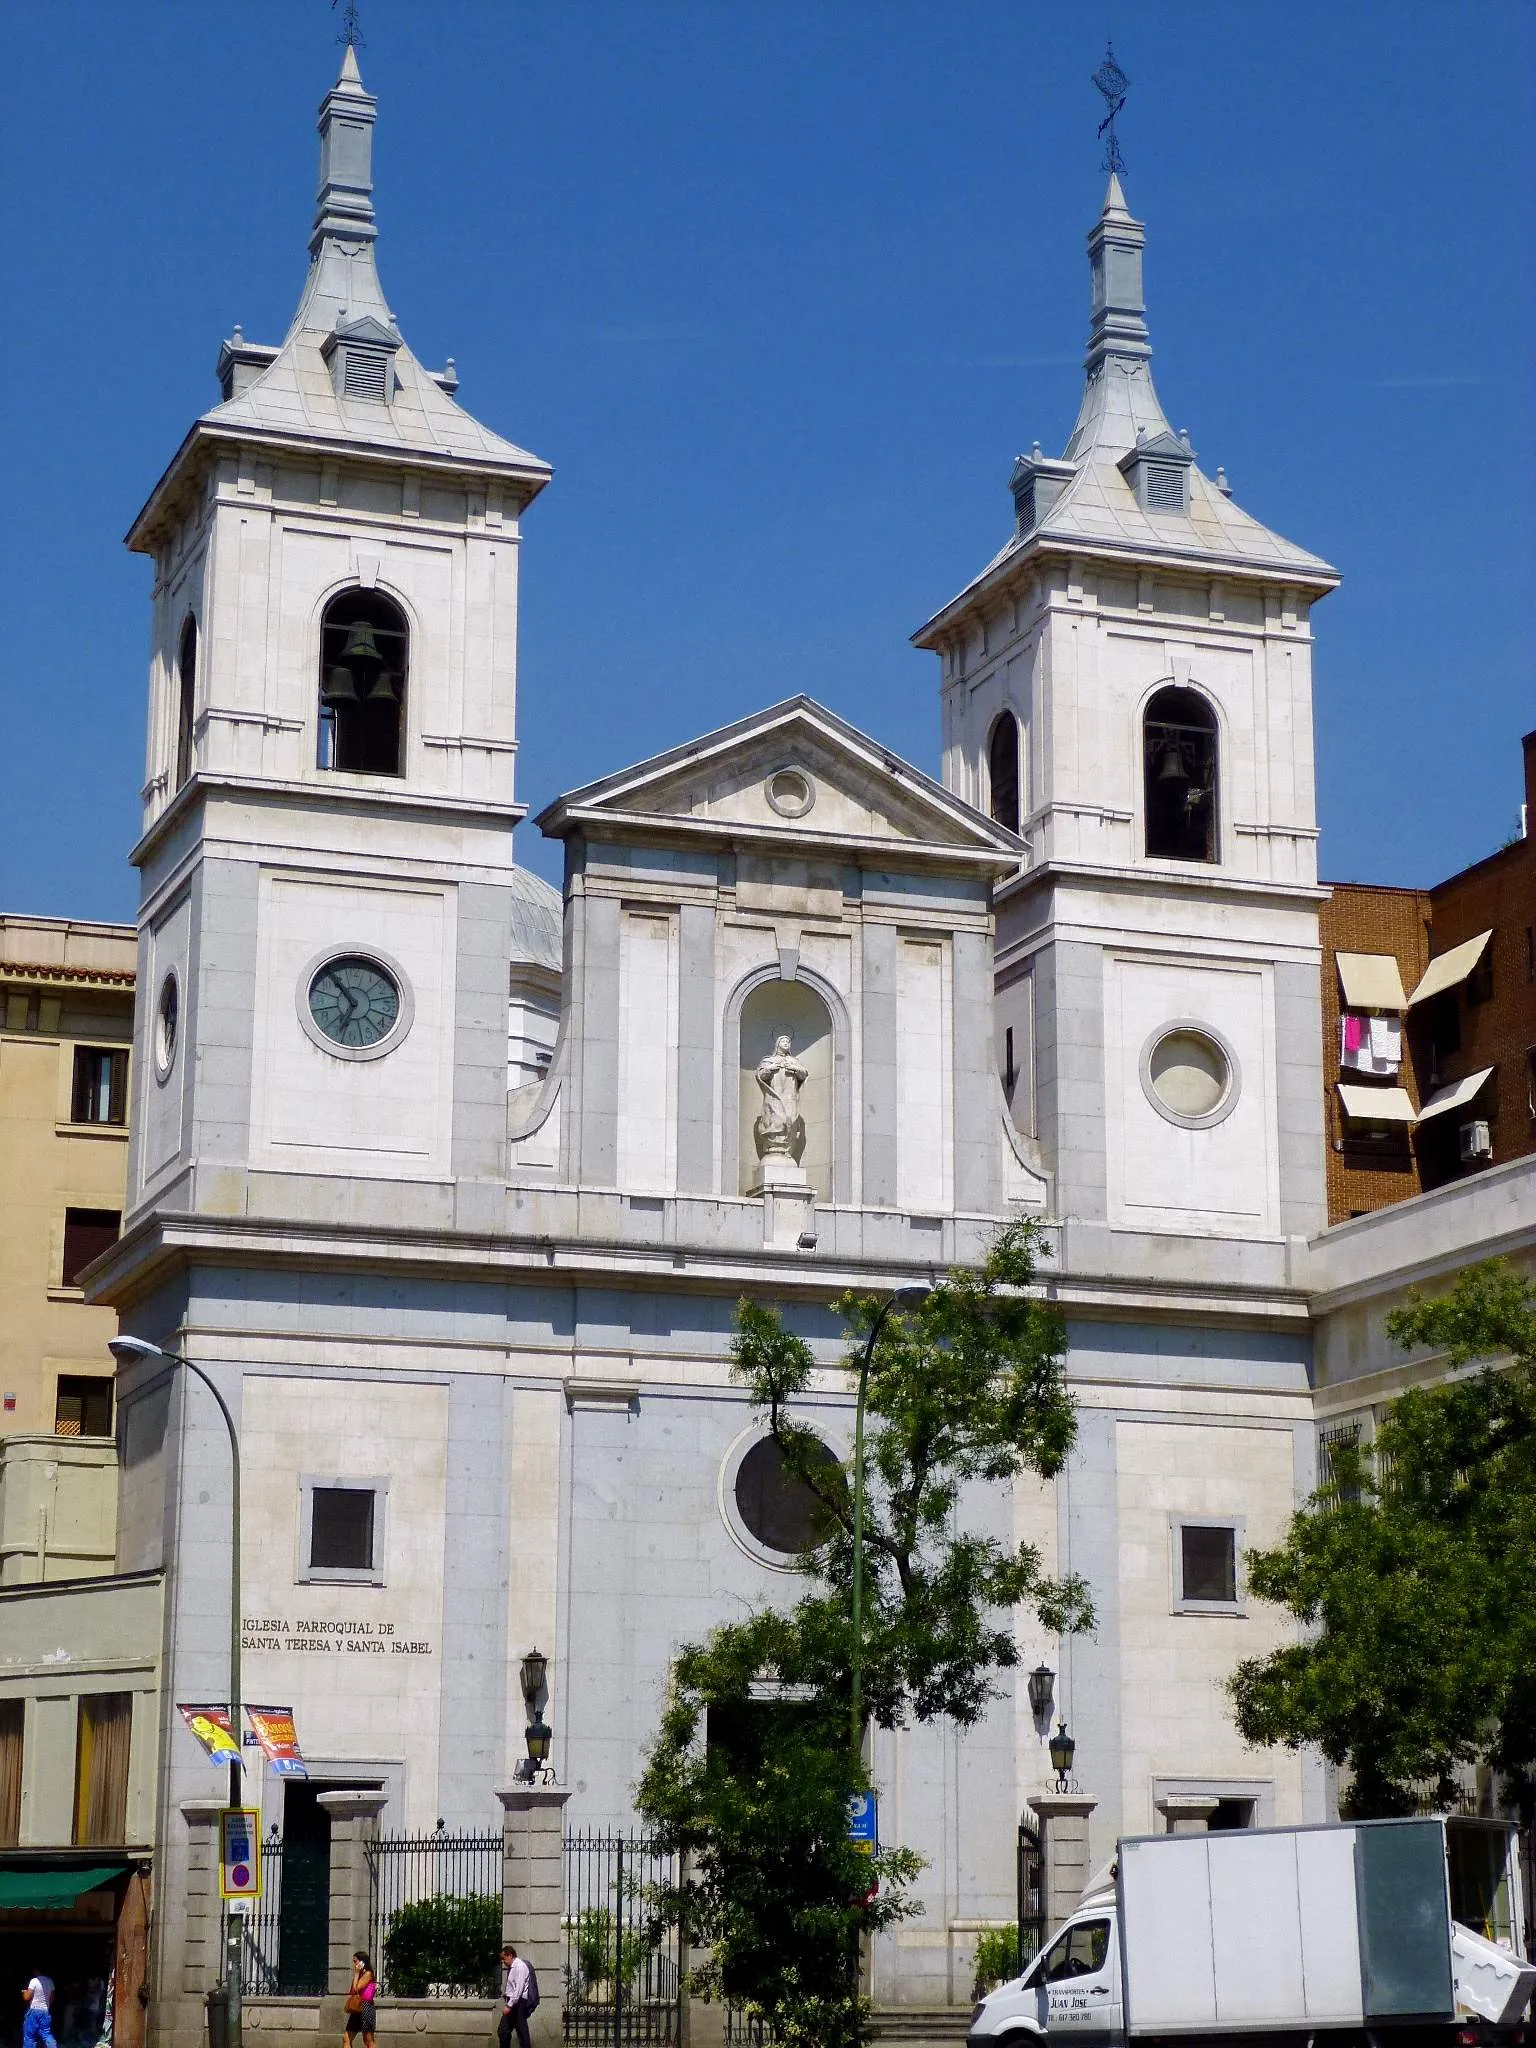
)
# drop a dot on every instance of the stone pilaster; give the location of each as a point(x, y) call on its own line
point(533, 1893)
point(354, 1818)
point(1063, 1820)
point(202, 1943)
point(1186, 1813)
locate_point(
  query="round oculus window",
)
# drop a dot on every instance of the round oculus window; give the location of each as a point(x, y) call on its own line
point(778, 1510)
point(354, 1004)
point(790, 792)
point(167, 1017)
point(1189, 1075)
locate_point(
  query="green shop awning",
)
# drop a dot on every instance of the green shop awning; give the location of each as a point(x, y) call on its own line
point(39, 1889)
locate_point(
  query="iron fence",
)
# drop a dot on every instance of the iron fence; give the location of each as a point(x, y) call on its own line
point(435, 1912)
point(623, 1980)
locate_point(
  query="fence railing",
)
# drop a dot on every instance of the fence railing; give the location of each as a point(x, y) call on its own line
point(436, 1914)
point(622, 1973)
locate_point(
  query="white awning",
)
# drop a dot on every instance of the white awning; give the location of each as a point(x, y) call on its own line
point(1456, 1096)
point(1450, 969)
point(1377, 1105)
point(1371, 981)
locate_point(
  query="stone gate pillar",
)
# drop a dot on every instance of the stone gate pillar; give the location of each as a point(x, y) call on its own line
point(533, 1894)
point(1064, 1845)
point(1186, 1813)
point(354, 1818)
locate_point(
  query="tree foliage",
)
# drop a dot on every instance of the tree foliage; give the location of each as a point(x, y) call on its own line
point(1412, 1568)
point(969, 1385)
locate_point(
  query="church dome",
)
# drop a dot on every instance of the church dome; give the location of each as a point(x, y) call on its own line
point(538, 913)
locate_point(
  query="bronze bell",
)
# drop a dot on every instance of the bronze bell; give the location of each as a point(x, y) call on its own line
point(1171, 768)
point(339, 686)
point(361, 645)
point(382, 690)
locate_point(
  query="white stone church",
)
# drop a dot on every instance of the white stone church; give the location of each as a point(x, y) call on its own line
point(453, 1183)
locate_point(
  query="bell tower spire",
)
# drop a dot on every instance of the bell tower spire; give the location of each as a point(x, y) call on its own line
point(343, 278)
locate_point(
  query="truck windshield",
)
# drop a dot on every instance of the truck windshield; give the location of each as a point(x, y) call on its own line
point(1076, 1952)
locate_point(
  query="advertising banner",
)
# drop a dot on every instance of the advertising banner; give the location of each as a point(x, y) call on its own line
point(863, 1823)
point(274, 1730)
point(211, 1727)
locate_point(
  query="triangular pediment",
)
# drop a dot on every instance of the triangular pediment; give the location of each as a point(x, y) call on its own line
point(793, 773)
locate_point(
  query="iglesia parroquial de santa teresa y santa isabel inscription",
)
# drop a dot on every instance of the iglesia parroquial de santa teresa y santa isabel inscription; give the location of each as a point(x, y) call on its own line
point(316, 1635)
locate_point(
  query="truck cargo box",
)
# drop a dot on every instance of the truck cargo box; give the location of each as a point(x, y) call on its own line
point(1277, 1929)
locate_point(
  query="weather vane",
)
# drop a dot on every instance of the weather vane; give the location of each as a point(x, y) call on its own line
point(351, 34)
point(1113, 84)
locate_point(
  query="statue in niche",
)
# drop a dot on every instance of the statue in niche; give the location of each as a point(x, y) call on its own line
point(780, 1129)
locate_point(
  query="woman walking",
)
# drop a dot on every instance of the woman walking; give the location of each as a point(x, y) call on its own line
point(360, 2002)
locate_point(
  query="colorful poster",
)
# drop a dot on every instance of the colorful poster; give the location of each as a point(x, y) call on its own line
point(863, 1823)
point(274, 1730)
point(211, 1727)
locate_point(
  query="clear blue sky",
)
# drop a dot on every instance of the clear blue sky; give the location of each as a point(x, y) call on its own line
point(780, 290)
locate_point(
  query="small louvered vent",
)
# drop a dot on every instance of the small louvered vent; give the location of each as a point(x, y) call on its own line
point(366, 375)
point(1024, 505)
point(1164, 487)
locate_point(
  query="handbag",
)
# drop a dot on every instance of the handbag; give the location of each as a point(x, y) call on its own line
point(354, 2002)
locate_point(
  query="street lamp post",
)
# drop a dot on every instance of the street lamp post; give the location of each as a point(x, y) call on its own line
point(904, 1297)
point(127, 1350)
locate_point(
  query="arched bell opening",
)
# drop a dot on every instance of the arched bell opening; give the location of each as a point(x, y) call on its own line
point(364, 658)
point(1180, 771)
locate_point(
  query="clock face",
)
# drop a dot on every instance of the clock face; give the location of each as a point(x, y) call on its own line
point(354, 1002)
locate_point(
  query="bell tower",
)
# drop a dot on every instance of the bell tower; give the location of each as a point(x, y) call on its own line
point(1128, 685)
point(328, 889)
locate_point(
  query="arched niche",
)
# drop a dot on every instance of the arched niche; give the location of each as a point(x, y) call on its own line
point(364, 669)
point(1181, 771)
point(1003, 771)
point(810, 1013)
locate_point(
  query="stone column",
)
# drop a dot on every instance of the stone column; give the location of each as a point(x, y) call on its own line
point(1064, 1845)
point(354, 1818)
point(533, 1894)
point(1186, 1813)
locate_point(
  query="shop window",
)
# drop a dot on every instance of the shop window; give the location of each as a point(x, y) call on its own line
point(186, 698)
point(343, 1528)
point(1205, 1566)
point(1003, 771)
point(87, 1234)
point(13, 1721)
point(83, 1405)
point(100, 1091)
point(364, 650)
point(103, 1730)
point(1179, 772)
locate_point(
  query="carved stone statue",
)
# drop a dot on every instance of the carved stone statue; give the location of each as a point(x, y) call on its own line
point(780, 1129)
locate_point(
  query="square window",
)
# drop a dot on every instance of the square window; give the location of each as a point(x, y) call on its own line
point(87, 1234)
point(83, 1405)
point(341, 1529)
point(1205, 1566)
point(100, 1092)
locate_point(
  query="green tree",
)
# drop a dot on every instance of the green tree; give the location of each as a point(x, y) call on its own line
point(970, 1385)
point(1412, 1567)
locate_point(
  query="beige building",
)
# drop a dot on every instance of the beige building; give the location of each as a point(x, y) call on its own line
point(66, 1020)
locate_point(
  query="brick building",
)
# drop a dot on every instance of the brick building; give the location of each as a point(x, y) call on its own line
point(1429, 1025)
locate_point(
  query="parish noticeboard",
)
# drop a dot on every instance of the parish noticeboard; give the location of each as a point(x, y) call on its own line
point(239, 1853)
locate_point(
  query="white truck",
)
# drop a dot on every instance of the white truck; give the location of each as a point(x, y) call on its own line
point(1377, 1934)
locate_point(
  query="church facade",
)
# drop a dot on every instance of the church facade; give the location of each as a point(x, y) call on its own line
point(452, 1182)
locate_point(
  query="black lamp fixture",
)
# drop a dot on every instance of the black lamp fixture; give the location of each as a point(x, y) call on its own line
point(1042, 1687)
point(531, 1675)
point(538, 1735)
point(1063, 1749)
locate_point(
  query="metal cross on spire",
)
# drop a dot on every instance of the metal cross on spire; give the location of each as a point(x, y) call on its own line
point(1113, 84)
point(351, 32)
